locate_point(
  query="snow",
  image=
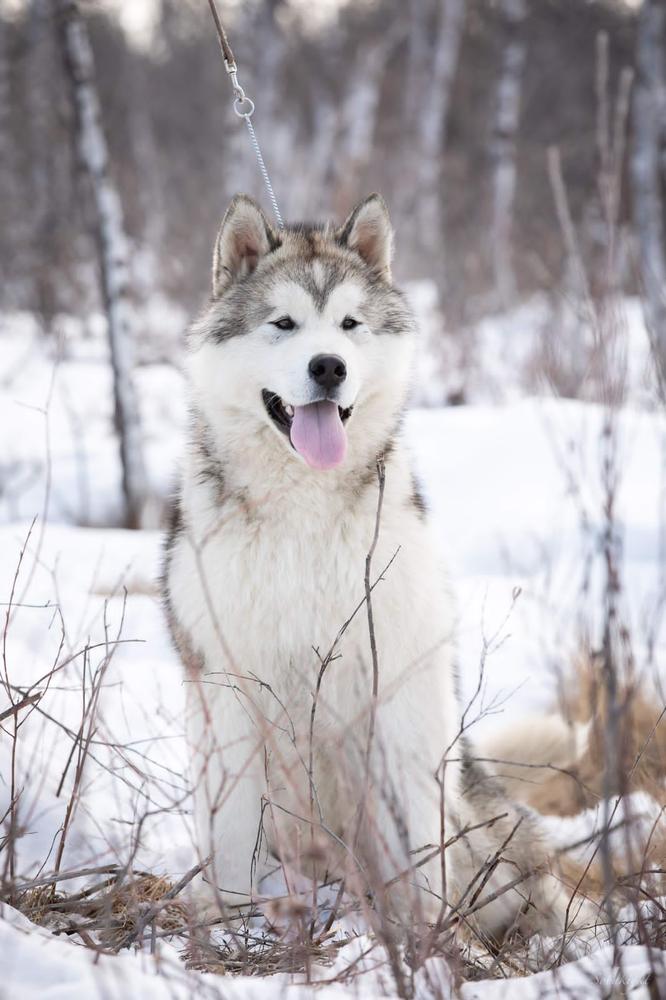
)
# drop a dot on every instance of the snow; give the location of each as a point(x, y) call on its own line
point(594, 976)
point(39, 966)
point(500, 482)
point(61, 393)
point(515, 487)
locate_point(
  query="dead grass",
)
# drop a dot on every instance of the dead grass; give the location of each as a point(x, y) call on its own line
point(642, 745)
point(111, 911)
point(138, 909)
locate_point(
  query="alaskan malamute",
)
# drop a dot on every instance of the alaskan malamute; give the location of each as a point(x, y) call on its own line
point(307, 601)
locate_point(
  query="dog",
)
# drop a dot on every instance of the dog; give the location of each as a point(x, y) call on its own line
point(307, 602)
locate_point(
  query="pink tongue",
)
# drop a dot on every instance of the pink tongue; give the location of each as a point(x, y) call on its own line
point(318, 435)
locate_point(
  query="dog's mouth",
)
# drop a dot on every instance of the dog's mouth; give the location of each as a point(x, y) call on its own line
point(316, 430)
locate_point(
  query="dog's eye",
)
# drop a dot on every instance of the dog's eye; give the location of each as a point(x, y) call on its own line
point(349, 323)
point(285, 323)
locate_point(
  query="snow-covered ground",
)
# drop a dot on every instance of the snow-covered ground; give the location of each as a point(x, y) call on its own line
point(515, 488)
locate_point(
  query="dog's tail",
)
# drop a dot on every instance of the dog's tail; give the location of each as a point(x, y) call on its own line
point(557, 762)
point(538, 761)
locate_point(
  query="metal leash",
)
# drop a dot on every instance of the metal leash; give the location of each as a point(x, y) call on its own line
point(243, 106)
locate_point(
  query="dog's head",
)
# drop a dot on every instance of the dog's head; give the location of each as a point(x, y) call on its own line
point(306, 339)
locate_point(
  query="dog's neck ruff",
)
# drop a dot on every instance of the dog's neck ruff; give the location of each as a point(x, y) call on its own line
point(266, 482)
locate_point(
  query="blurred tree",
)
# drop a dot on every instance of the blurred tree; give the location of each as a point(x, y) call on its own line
point(41, 174)
point(359, 111)
point(342, 109)
point(113, 251)
point(649, 134)
point(7, 147)
point(503, 145)
point(432, 121)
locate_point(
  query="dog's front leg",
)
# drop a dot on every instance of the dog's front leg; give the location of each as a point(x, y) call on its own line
point(400, 812)
point(227, 754)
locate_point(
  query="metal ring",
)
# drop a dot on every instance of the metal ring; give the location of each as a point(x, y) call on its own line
point(249, 107)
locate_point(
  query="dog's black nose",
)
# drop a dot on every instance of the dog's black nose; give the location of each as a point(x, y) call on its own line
point(328, 370)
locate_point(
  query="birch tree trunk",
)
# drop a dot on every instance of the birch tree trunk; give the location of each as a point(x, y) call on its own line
point(432, 121)
point(8, 173)
point(648, 135)
point(358, 117)
point(113, 251)
point(39, 132)
point(418, 57)
point(503, 146)
point(314, 193)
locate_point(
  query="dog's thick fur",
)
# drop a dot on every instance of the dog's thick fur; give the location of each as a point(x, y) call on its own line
point(264, 577)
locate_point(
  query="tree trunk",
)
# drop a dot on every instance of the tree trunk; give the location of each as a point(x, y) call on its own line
point(432, 120)
point(314, 195)
point(113, 251)
point(503, 146)
point(648, 134)
point(40, 58)
point(7, 158)
point(418, 56)
point(358, 117)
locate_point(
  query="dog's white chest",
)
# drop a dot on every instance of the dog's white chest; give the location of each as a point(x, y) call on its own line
point(270, 596)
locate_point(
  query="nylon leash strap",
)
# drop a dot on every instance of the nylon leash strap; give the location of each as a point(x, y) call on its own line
point(244, 107)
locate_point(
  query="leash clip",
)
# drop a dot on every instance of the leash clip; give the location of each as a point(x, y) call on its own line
point(243, 106)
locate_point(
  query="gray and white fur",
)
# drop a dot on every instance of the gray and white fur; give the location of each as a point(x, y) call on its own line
point(264, 576)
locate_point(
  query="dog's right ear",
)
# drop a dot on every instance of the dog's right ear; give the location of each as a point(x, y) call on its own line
point(368, 231)
point(244, 237)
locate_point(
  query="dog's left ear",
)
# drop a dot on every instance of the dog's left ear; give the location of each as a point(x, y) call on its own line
point(368, 231)
point(244, 237)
